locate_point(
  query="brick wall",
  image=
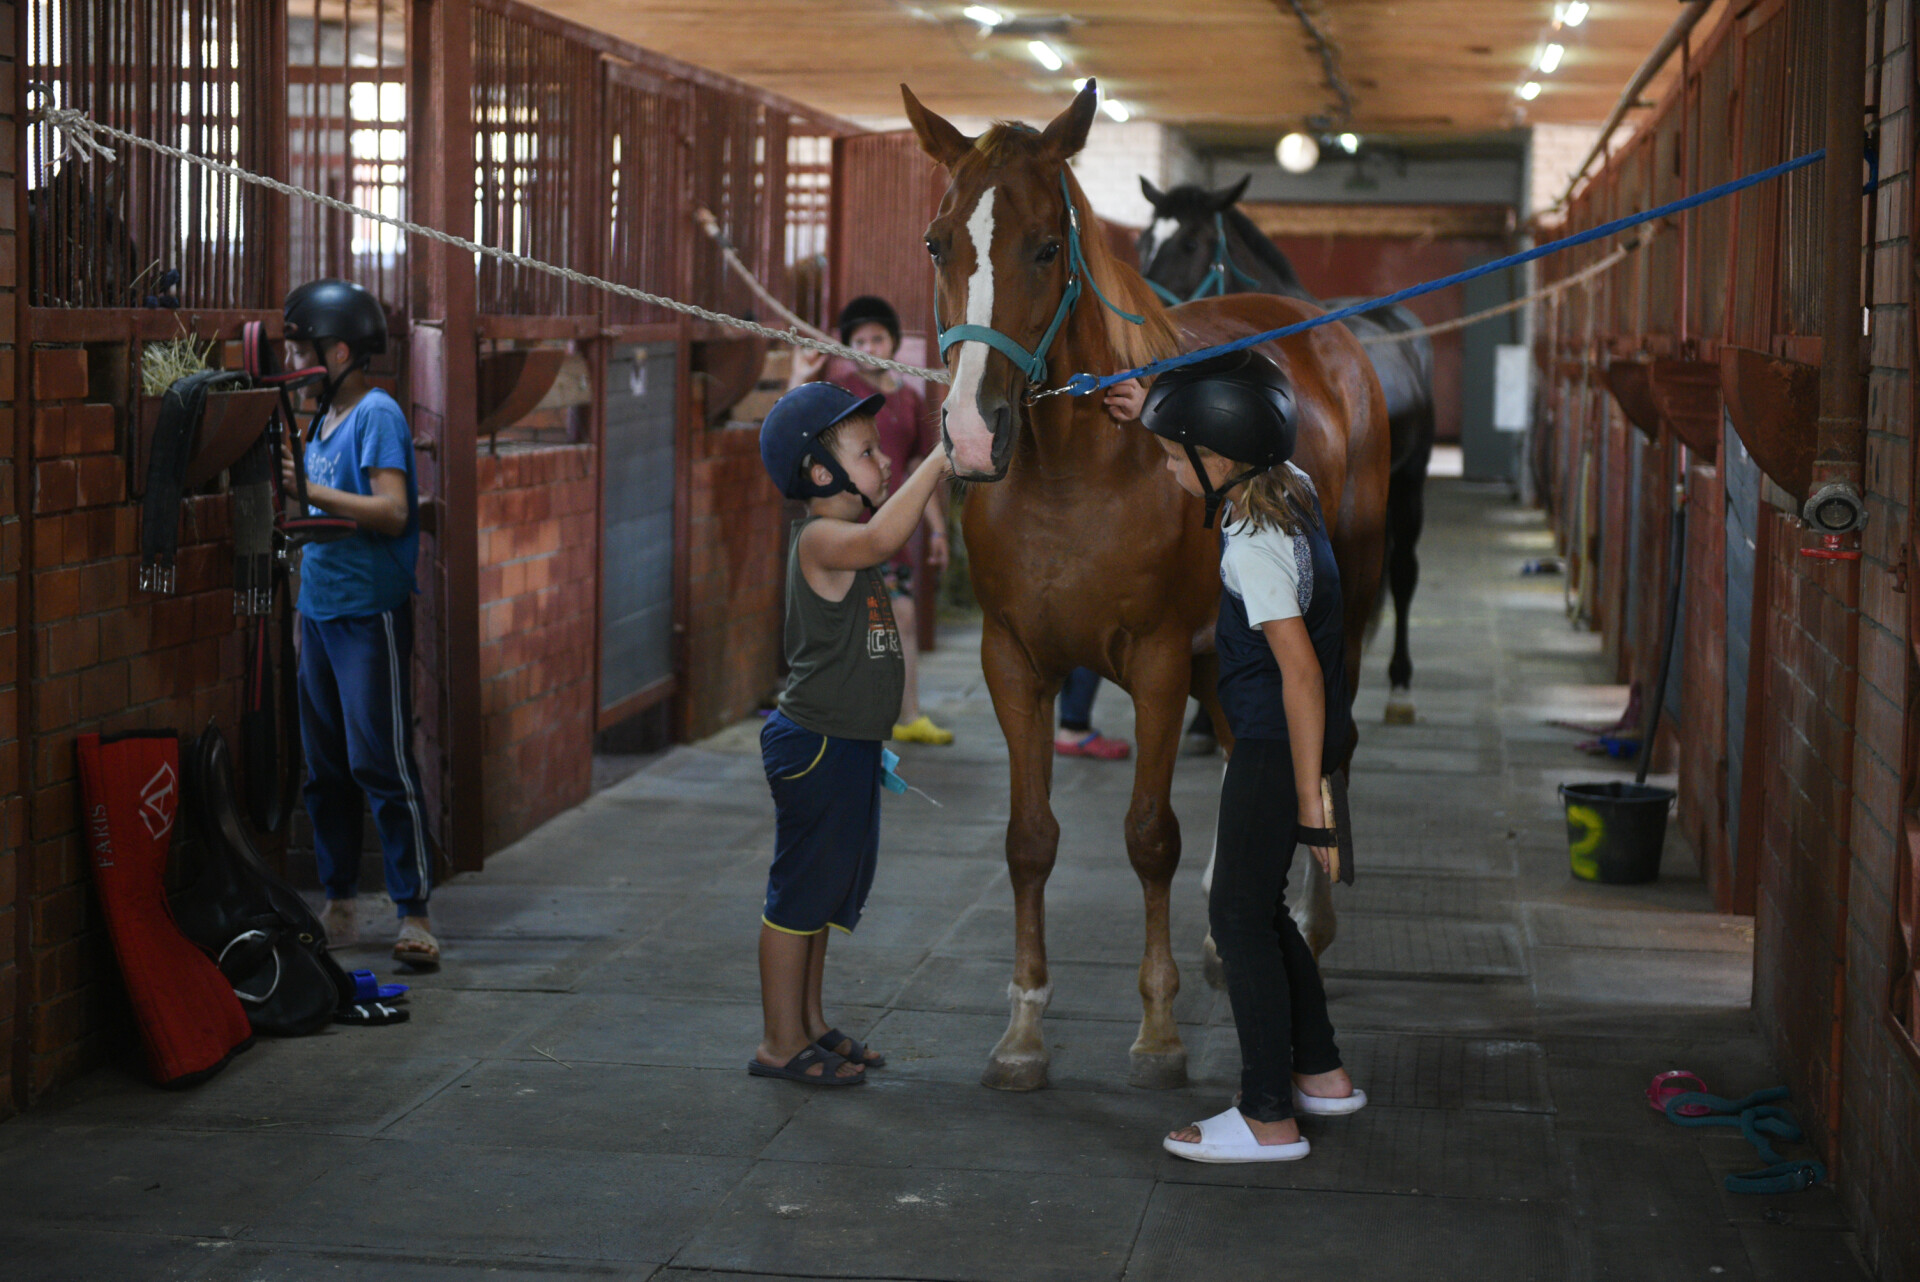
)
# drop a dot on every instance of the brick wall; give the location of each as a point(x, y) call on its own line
point(538, 559)
point(736, 550)
point(13, 808)
point(108, 658)
point(1879, 1150)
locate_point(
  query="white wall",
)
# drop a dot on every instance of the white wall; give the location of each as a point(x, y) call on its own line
point(1118, 156)
point(1553, 153)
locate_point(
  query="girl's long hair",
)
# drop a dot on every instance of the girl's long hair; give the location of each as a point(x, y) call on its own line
point(1279, 498)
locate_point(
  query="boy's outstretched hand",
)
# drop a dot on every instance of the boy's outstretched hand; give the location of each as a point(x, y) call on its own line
point(1125, 400)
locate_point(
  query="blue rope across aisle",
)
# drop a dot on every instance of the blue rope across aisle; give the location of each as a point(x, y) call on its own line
point(1083, 384)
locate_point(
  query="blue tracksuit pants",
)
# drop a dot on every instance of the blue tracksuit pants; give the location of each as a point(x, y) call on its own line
point(356, 726)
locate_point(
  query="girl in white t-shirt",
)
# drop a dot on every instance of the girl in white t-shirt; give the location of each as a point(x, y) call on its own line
point(1227, 429)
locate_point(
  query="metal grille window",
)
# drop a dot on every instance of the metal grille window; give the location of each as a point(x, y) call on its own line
point(347, 138)
point(809, 218)
point(113, 233)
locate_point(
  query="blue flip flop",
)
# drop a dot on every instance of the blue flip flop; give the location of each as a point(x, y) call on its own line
point(368, 988)
point(857, 1054)
point(795, 1069)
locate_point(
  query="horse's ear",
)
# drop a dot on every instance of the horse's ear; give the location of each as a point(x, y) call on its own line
point(1068, 132)
point(938, 137)
point(1154, 195)
point(1227, 197)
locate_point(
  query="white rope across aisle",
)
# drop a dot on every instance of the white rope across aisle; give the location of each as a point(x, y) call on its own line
point(81, 128)
point(1547, 291)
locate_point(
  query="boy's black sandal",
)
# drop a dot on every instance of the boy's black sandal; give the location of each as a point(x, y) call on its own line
point(795, 1069)
point(856, 1053)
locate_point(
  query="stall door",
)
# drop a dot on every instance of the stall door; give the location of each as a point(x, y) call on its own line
point(636, 543)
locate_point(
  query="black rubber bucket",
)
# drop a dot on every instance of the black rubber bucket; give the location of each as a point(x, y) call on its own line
point(1615, 830)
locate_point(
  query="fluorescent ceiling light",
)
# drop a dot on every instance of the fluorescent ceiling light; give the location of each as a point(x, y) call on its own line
point(1080, 83)
point(984, 16)
point(1350, 143)
point(1044, 55)
point(1530, 90)
point(1574, 14)
point(1297, 153)
point(1550, 58)
point(1117, 109)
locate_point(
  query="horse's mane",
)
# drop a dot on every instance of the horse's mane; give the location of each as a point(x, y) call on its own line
point(1007, 141)
point(1133, 345)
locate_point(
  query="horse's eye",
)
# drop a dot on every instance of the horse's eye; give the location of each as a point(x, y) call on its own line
point(1191, 245)
point(933, 250)
point(1049, 251)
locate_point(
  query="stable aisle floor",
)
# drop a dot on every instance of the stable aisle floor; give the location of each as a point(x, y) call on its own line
point(570, 1100)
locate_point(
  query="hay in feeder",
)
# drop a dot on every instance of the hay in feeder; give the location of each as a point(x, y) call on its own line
point(164, 363)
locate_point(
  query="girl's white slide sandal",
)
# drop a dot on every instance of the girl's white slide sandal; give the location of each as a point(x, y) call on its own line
point(1227, 1138)
point(1320, 1106)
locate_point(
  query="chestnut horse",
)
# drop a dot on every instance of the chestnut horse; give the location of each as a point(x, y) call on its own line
point(1083, 551)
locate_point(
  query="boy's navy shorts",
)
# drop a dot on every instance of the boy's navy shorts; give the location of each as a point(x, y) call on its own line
point(826, 800)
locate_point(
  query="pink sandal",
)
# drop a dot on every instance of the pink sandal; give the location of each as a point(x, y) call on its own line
point(1663, 1088)
point(1095, 745)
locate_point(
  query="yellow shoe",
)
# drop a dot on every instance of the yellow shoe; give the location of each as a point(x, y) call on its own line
point(922, 730)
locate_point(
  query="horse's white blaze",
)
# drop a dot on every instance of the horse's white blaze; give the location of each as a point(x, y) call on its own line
point(966, 426)
point(1157, 235)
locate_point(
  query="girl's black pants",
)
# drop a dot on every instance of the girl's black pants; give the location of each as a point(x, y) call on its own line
point(1279, 1005)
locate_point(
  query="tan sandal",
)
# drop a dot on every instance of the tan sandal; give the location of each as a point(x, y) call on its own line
point(416, 946)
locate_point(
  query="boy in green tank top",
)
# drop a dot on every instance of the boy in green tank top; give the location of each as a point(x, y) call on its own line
point(822, 748)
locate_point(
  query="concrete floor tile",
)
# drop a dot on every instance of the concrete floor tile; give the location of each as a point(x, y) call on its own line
point(1392, 892)
point(1588, 977)
point(619, 1028)
point(1424, 948)
point(276, 1086)
point(36, 1253)
point(177, 1183)
point(1567, 926)
point(458, 1199)
point(510, 964)
point(245, 1263)
point(1790, 1254)
point(895, 1122)
point(1226, 1234)
point(612, 1108)
point(963, 1226)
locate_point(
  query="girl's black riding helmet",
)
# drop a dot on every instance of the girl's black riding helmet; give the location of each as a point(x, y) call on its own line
point(1237, 405)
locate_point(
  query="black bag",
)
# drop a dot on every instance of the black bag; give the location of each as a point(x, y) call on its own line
point(257, 928)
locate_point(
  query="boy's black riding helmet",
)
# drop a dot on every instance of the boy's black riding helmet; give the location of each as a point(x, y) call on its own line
point(1237, 405)
point(789, 432)
point(340, 311)
point(869, 309)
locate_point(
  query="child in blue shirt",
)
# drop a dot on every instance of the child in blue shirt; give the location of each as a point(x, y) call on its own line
point(356, 619)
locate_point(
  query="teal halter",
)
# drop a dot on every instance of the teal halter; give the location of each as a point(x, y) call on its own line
point(1215, 281)
point(1034, 363)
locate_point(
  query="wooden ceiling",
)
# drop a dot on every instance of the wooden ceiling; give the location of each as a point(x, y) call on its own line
point(1227, 67)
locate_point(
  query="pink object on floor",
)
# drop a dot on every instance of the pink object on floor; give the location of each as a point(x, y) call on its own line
point(1663, 1088)
point(1095, 745)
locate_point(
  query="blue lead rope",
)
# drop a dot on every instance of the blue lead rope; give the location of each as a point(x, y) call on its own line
point(1757, 1119)
point(1083, 384)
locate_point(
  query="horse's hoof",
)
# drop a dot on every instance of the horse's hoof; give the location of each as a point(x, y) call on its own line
point(1158, 1070)
point(1027, 1073)
point(1400, 707)
point(1216, 970)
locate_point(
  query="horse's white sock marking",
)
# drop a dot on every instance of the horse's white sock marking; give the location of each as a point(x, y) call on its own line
point(960, 412)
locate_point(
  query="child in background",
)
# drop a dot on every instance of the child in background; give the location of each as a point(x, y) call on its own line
point(822, 747)
point(1227, 427)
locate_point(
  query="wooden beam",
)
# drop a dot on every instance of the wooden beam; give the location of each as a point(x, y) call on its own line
point(1415, 221)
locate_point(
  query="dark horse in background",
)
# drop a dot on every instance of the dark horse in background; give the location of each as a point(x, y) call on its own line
point(1182, 253)
point(1083, 551)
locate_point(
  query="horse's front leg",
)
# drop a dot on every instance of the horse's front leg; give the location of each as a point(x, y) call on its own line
point(1159, 682)
point(1023, 702)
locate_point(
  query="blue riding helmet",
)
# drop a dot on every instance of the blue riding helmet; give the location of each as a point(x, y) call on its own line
point(793, 424)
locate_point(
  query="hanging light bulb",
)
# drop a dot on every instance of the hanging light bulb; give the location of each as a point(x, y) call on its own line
point(1349, 143)
point(1043, 53)
point(1297, 153)
point(1550, 58)
point(1574, 14)
point(1530, 90)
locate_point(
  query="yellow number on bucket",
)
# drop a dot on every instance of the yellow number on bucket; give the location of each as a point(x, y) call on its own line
point(1594, 831)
